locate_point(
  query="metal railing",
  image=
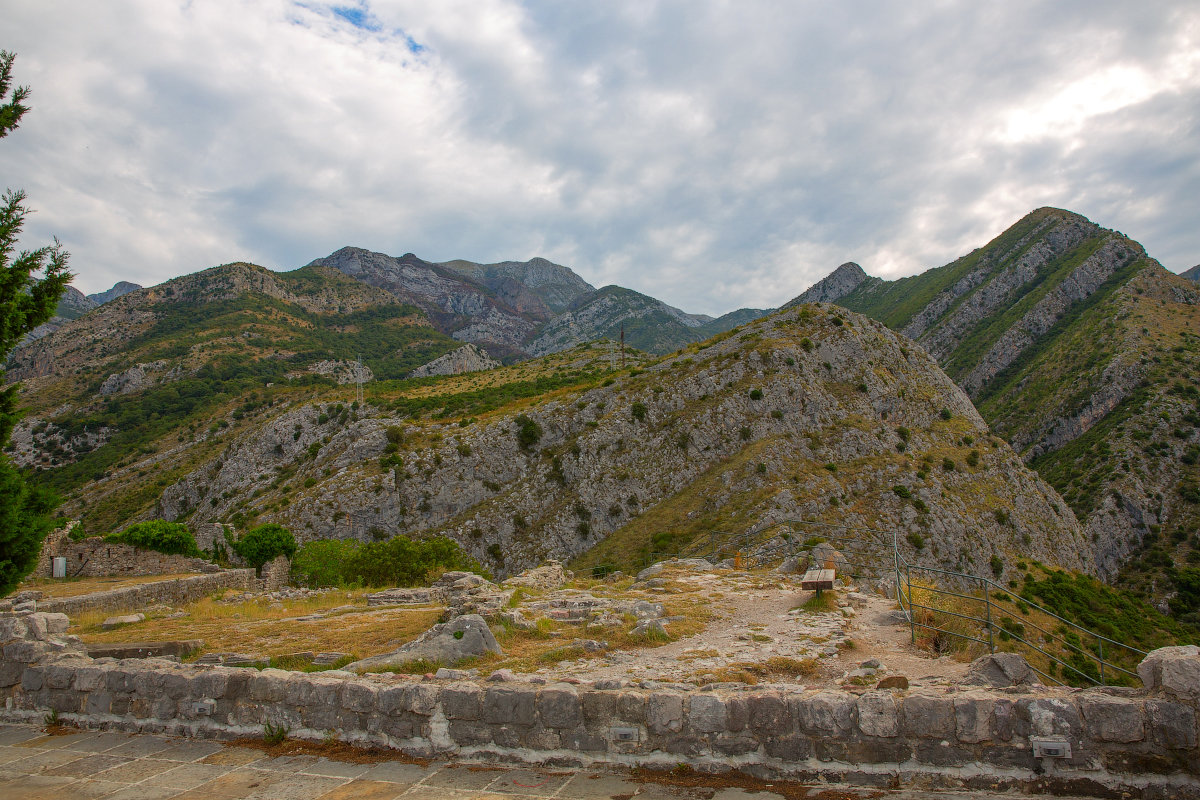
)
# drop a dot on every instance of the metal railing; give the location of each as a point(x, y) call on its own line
point(942, 602)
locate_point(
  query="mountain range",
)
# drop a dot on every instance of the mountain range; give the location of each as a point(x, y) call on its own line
point(1055, 415)
point(1084, 353)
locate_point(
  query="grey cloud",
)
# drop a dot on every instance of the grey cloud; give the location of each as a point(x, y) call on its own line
point(711, 154)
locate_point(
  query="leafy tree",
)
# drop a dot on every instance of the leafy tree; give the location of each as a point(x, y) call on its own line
point(172, 538)
point(25, 302)
point(264, 543)
point(322, 562)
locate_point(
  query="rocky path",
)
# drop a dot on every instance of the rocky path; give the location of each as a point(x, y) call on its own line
point(758, 620)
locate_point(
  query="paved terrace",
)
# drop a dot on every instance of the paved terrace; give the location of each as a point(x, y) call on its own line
point(122, 766)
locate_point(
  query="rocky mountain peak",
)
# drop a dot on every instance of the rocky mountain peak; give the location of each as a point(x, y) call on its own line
point(1192, 274)
point(833, 287)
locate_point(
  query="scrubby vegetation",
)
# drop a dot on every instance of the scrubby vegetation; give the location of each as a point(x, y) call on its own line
point(171, 538)
point(399, 561)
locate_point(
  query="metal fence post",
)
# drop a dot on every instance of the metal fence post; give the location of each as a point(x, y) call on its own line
point(987, 604)
point(912, 626)
point(1101, 643)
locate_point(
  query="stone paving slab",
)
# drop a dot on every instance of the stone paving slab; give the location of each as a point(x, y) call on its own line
point(111, 765)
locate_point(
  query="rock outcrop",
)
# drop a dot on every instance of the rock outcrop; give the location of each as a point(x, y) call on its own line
point(833, 287)
point(468, 358)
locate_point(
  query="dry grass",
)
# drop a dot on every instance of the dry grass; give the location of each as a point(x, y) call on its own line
point(775, 668)
point(256, 628)
point(74, 587)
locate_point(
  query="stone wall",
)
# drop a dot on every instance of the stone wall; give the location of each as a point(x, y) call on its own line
point(276, 573)
point(96, 558)
point(51, 546)
point(169, 592)
point(1121, 740)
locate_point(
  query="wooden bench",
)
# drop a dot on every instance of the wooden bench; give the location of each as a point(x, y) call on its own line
point(817, 579)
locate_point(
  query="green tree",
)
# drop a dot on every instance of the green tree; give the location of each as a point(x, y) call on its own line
point(26, 301)
point(172, 538)
point(264, 543)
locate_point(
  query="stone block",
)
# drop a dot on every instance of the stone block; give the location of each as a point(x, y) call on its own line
point(664, 712)
point(734, 744)
point(943, 753)
point(58, 676)
point(420, 699)
point(175, 685)
point(1175, 670)
point(462, 701)
point(1047, 716)
point(559, 707)
point(1001, 669)
point(269, 685)
point(1172, 724)
point(43, 627)
point(599, 708)
point(929, 717)
point(507, 735)
point(706, 713)
point(359, 697)
point(769, 715)
point(737, 713)
point(1004, 719)
point(32, 679)
point(878, 715)
point(313, 690)
point(541, 738)
point(688, 746)
point(209, 683)
point(400, 726)
point(631, 708)
point(826, 712)
point(467, 732)
point(972, 719)
point(66, 701)
point(10, 673)
point(122, 620)
point(88, 679)
point(509, 705)
point(791, 747)
point(24, 652)
point(98, 702)
point(12, 628)
point(1113, 719)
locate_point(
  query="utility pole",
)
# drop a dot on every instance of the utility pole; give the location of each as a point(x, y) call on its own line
point(622, 345)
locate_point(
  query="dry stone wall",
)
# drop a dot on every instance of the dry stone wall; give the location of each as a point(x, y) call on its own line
point(169, 592)
point(1137, 741)
point(96, 558)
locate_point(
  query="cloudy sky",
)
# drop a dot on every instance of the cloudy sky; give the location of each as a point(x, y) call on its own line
point(714, 155)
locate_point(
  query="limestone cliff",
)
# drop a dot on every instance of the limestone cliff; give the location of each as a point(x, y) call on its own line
point(812, 413)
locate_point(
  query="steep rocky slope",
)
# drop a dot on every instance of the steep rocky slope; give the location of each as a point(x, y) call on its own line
point(649, 324)
point(1081, 351)
point(522, 308)
point(1192, 274)
point(169, 368)
point(813, 413)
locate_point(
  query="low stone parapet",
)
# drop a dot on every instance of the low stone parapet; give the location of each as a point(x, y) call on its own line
point(1095, 741)
point(170, 592)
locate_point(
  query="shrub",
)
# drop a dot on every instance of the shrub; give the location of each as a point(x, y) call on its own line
point(973, 458)
point(638, 411)
point(904, 433)
point(806, 344)
point(401, 561)
point(948, 464)
point(946, 413)
point(916, 540)
point(260, 545)
point(171, 538)
point(745, 433)
point(997, 566)
point(902, 492)
point(756, 394)
point(529, 432)
point(322, 562)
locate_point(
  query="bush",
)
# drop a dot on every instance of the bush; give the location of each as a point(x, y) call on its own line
point(401, 561)
point(260, 545)
point(529, 432)
point(171, 538)
point(973, 458)
point(946, 413)
point(638, 411)
point(756, 394)
point(322, 562)
point(916, 540)
point(948, 464)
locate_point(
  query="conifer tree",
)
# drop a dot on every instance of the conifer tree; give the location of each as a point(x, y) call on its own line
point(26, 301)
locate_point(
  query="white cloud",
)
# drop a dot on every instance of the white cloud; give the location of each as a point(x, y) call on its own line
point(711, 154)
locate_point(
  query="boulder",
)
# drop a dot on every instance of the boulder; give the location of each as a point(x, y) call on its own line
point(790, 566)
point(1001, 669)
point(123, 619)
point(548, 576)
point(1175, 670)
point(446, 643)
point(824, 553)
